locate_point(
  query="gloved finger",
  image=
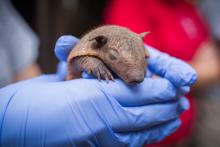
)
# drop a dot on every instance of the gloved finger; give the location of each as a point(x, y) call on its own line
point(9, 91)
point(86, 75)
point(98, 103)
point(149, 135)
point(62, 70)
point(6, 94)
point(148, 74)
point(44, 79)
point(151, 90)
point(183, 91)
point(177, 71)
point(64, 45)
point(136, 118)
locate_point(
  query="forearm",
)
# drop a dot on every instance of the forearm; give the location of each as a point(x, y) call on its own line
point(208, 74)
point(206, 62)
point(31, 71)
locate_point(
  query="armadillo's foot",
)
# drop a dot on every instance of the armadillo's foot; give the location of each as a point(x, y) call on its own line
point(97, 68)
point(101, 72)
point(94, 66)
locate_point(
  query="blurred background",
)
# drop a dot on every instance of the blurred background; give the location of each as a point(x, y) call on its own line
point(50, 19)
point(187, 29)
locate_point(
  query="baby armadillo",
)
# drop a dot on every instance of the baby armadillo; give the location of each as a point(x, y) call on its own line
point(109, 49)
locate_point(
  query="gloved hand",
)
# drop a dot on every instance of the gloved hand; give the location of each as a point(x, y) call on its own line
point(85, 112)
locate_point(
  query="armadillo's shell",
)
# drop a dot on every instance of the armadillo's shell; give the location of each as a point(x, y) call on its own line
point(77, 52)
point(83, 49)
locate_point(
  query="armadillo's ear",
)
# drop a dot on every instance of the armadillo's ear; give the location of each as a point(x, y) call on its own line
point(142, 35)
point(99, 41)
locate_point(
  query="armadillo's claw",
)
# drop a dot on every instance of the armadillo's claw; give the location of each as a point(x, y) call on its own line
point(110, 75)
point(98, 75)
point(107, 75)
point(112, 78)
point(97, 68)
point(102, 73)
point(106, 78)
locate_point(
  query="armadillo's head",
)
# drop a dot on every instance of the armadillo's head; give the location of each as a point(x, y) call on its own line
point(124, 53)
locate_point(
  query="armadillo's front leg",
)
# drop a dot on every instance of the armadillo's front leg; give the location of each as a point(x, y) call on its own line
point(93, 66)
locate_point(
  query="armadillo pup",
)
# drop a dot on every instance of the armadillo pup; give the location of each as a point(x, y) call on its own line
point(109, 49)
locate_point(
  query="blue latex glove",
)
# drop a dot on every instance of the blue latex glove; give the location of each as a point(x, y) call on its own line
point(48, 112)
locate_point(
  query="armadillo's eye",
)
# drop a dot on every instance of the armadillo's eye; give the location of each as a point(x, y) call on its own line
point(112, 57)
point(113, 54)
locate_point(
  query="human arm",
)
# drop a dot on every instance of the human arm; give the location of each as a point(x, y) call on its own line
point(206, 63)
point(33, 70)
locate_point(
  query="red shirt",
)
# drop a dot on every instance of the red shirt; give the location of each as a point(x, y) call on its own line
point(176, 28)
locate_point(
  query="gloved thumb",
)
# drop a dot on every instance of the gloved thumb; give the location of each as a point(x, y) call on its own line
point(64, 45)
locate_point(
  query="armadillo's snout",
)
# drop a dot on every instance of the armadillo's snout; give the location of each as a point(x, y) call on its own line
point(135, 79)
